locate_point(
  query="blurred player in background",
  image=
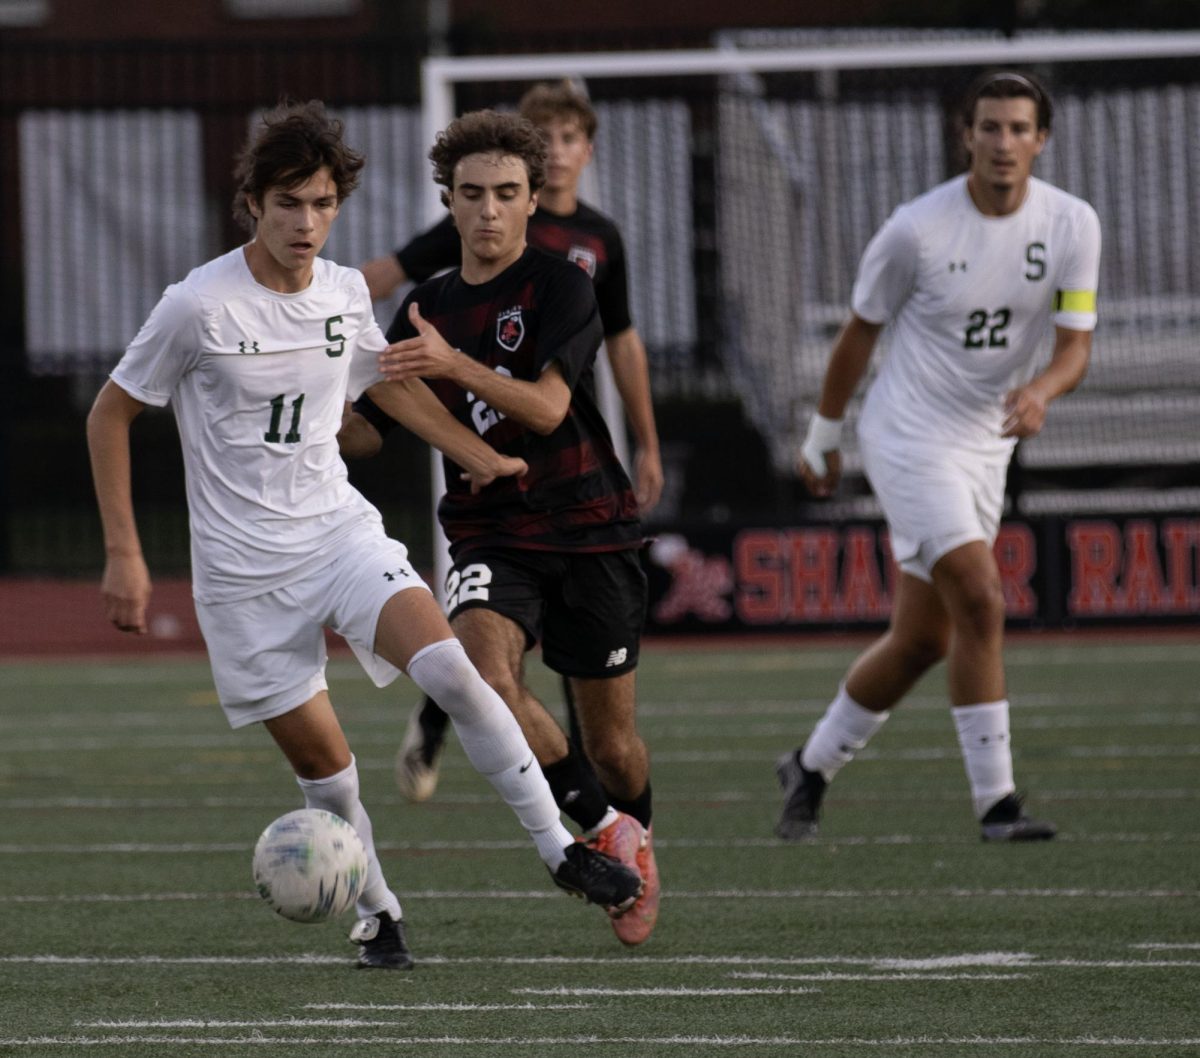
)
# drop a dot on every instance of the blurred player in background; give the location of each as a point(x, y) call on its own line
point(508, 343)
point(969, 278)
point(255, 351)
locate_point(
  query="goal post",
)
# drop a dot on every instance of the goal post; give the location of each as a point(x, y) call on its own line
point(809, 148)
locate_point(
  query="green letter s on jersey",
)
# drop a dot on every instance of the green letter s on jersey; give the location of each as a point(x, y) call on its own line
point(332, 336)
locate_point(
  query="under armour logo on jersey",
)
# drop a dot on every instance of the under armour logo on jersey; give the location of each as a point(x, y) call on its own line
point(248, 347)
point(585, 258)
point(510, 329)
point(958, 266)
point(616, 657)
point(399, 573)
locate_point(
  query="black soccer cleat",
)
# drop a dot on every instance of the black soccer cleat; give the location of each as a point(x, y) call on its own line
point(802, 793)
point(381, 943)
point(1006, 821)
point(598, 879)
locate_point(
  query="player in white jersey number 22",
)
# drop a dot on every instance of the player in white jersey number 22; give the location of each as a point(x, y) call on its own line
point(968, 278)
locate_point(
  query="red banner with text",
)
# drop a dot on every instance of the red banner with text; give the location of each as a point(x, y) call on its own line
point(1056, 572)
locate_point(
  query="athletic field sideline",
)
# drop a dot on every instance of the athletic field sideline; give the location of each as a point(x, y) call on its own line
point(130, 926)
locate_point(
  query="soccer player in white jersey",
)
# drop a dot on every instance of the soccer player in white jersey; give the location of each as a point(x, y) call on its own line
point(968, 278)
point(256, 352)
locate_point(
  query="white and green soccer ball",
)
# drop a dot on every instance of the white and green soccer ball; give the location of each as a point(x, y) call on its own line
point(310, 865)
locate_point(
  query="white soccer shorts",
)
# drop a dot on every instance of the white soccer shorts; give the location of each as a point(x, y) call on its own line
point(934, 500)
point(268, 653)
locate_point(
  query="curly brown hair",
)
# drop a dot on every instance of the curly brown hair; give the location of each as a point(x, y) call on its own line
point(560, 101)
point(487, 132)
point(291, 143)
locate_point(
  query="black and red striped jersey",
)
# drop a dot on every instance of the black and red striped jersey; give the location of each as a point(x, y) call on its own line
point(587, 237)
point(576, 496)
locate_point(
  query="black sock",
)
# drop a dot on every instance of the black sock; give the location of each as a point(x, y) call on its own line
point(576, 789)
point(639, 807)
point(433, 718)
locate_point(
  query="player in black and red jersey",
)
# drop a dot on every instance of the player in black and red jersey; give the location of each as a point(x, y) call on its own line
point(566, 227)
point(508, 343)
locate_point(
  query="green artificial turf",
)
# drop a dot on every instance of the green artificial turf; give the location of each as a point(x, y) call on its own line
point(130, 926)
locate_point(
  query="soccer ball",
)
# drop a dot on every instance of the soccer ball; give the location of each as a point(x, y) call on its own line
point(310, 865)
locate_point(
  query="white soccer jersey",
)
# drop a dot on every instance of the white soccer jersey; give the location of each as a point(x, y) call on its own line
point(970, 300)
point(257, 381)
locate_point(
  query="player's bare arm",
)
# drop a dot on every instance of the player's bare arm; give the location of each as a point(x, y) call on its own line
point(412, 404)
point(125, 586)
point(384, 275)
point(541, 406)
point(631, 373)
point(821, 457)
point(1025, 407)
point(357, 438)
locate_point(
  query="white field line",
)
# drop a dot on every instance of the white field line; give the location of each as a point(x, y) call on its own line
point(259, 1040)
point(451, 1007)
point(728, 708)
point(281, 1022)
point(930, 754)
point(748, 727)
point(663, 993)
point(700, 894)
point(276, 804)
point(750, 723)
point(1167, 946)
point(721, 709)
point(831, 976)
point(986, 960)
point(514, 844)
point(694, 663)
point(126, 744)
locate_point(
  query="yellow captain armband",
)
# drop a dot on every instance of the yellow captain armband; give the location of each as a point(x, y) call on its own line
point(1075, 301)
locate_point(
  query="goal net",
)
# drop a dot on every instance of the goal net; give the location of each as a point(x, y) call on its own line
point(748, 179)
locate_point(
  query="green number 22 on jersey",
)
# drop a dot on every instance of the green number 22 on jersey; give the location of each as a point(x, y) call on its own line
point(986, 328)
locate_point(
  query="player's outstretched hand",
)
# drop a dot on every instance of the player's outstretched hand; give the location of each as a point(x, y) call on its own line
point(428, 355)
point(1024, 412)
point(500, 466)
point(125, 589)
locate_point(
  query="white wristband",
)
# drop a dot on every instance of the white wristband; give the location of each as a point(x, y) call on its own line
point(824, 435)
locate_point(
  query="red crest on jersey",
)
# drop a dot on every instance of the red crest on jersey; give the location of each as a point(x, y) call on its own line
point(510, 329)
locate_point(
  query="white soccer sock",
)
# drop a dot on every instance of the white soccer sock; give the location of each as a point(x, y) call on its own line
point(339, 794)
point(611, 815)
point(986, 750)
point(844, 729)
point(493, 742)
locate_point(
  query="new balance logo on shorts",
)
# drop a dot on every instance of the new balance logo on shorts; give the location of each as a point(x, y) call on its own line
point(616, 657)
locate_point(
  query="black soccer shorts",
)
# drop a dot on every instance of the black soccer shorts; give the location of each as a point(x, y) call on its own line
point(586, 608)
